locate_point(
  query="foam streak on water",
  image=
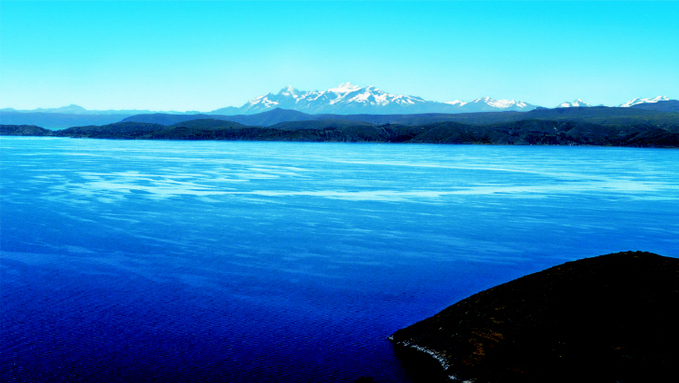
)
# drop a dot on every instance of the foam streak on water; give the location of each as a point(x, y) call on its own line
point(287, 262)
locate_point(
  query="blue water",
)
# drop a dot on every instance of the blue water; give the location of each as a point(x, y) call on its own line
point(162, 261)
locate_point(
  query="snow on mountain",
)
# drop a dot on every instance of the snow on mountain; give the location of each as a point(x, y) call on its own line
point(290, 91)
point(578, 103)
point(343, 99)
point(638, 101)
point(348, 98)
point(487, 104)
point(345, 88)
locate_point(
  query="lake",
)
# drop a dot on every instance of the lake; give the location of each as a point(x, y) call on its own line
point(132, 261)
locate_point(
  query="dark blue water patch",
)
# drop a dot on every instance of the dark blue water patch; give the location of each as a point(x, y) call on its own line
point(73, 326)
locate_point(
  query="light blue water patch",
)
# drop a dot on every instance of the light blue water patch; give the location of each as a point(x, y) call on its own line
point(287, 262)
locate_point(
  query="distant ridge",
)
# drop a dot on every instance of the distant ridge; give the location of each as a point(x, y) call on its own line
point(58, 120)
point(268, 118)
point(167, 119)
point(68, 116)
point(601, 114)
point(594, 126)
point(660, 106)
point(76, 109)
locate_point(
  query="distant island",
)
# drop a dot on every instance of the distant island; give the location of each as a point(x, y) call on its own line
point(594, 126)
point(611, 318)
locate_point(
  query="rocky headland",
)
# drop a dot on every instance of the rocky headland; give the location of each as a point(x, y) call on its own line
point(611, 318)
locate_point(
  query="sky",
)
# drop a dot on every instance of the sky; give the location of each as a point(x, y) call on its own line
point(205, 55)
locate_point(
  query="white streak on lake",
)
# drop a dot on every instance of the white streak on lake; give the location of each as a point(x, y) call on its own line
point(287, 262)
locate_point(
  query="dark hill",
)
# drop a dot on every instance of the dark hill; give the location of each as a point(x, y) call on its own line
point(119, 130)
point(272, 117)
point(23, 130)
point(547, 132)
point(208, 123)
point(267, 118)
point(479, 118)
point(204, 129)
point(321, 124)
point(166, 119)
point(611, 318)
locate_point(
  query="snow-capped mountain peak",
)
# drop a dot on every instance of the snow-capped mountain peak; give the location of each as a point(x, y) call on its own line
point(638, 101)
point(347, 87)
point(289, 90)
point(484, 100)
point(456, 102)
point(488, 103)
point(265, 101)
point(578, 103)
point(348, 98)
point(502, 104)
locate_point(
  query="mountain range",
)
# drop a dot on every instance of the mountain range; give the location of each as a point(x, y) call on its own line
point(346, 99)
point(351, 99)
point(640, 101)
point(578, 103)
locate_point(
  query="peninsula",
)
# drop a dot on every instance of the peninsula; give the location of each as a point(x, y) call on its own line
point(611, 318)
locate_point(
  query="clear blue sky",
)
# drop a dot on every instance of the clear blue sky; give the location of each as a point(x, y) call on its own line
point(202, 56)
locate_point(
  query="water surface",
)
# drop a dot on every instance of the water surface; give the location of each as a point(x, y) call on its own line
point(287, 262)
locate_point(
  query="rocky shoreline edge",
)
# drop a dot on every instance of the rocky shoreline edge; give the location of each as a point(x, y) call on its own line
point(439, 359)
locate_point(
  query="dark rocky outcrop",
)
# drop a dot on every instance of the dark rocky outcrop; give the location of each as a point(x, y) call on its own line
point(612, 318)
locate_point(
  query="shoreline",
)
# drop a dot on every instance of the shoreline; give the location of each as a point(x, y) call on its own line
point(523, 133)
